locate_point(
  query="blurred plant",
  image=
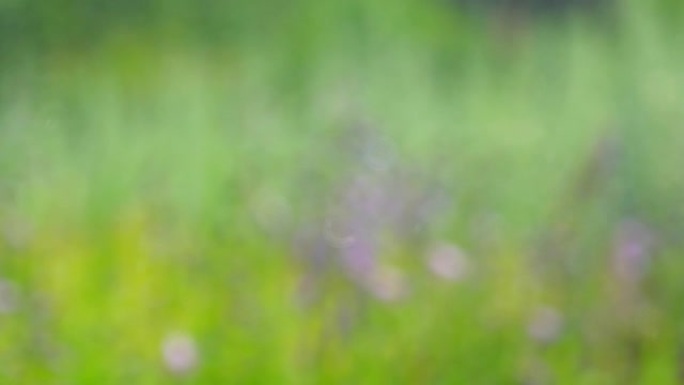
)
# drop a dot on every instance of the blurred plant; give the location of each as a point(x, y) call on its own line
point(593, 182)
point(375, 201)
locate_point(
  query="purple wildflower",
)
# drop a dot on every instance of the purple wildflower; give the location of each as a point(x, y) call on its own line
point(632, 246)
point(180, 353)
point(376, 200)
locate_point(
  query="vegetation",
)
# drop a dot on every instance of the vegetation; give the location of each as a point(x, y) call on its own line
point(340, 192)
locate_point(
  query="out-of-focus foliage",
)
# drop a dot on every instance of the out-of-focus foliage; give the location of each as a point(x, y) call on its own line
point(343, 191)
point(82, 23)
point(37, 25)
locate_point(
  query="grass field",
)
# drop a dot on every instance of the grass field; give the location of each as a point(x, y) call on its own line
point(177, 212)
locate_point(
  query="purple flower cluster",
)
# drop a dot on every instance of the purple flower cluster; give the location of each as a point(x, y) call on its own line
point(375, 201)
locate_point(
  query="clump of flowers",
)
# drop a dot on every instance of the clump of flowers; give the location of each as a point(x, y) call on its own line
point(377, 200)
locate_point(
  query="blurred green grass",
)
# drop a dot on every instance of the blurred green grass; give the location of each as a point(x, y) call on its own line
point(134, 175)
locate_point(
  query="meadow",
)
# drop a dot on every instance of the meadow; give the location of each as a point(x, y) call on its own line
point(347, 192)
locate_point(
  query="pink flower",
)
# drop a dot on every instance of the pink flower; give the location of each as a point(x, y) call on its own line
point(449, 262)
point(180, 353)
